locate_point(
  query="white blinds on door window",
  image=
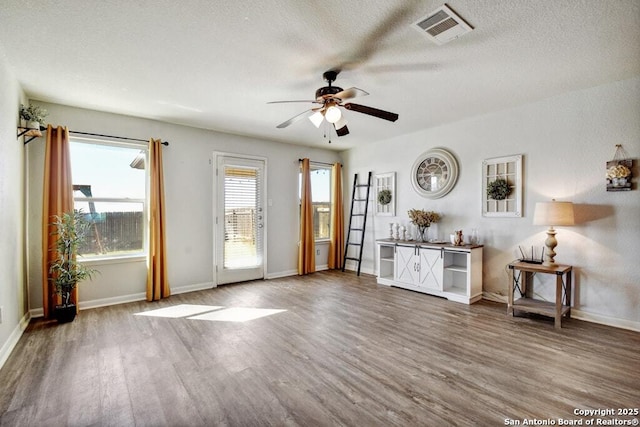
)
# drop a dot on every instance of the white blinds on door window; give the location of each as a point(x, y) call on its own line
point(242, 217)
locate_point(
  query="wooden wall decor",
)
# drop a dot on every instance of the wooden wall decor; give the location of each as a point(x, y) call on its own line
point(619, 171)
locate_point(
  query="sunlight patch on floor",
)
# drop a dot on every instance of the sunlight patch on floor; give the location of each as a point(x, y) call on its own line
point(236, 314)
point(182, 310)
point(211, 312)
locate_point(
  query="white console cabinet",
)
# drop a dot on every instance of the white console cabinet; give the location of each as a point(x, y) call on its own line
point(445, 270)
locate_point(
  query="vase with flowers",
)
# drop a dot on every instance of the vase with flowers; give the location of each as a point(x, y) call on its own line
point(423, 220)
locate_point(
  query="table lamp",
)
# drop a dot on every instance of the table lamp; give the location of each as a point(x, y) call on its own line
point(552, 214)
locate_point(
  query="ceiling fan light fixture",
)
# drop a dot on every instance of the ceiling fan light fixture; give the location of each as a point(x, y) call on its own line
point(316, 118)
point(342, 122)
point(333, 114)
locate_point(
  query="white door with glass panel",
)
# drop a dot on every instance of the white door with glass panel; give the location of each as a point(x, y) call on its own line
point(240, 219)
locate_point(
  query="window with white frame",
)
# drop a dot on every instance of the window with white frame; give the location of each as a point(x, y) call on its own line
point(110, 187)
point(321, 200)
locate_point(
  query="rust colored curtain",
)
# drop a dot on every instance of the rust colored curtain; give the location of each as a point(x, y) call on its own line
point(336, 245)
point(57, 199)
point(306, 246)
point(157, 280)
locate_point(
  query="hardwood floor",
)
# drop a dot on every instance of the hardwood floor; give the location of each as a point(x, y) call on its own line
point(346, 352)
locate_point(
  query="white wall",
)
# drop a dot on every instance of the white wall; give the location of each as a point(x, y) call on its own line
point(13, 295)
point(188, 191)
point(566, 142)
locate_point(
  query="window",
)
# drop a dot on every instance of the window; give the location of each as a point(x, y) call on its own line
point(241, 217)
point(110, 187)
point(321, 200)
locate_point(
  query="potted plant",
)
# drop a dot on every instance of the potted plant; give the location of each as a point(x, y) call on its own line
point(33, 115)
point(65, 271)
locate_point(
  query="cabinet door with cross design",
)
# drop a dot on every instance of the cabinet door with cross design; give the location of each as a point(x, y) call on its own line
point(407, 265)
point(431, 272)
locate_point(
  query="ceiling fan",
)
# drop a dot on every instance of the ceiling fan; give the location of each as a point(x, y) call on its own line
point(330, 99)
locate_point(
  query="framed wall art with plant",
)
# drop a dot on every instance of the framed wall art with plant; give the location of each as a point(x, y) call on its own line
point(385, 194)
point(619, 171)
point(502, 186)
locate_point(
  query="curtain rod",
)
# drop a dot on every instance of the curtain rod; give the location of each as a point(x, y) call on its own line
point(318, 163)
point(112, 136)
point(42, 128)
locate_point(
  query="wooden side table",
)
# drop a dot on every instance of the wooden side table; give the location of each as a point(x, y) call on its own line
point(522, 279)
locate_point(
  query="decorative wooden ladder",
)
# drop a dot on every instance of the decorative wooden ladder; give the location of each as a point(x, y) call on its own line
point(359, 226)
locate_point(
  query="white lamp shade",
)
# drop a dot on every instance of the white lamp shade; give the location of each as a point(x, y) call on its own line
point(553, 213)
point(316, 118)
point(332, 114)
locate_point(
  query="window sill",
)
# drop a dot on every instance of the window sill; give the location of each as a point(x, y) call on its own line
point(323, 241)
point(113, 259)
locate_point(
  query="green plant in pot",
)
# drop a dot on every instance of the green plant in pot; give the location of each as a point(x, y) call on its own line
point(65, 272)
point(33, 115)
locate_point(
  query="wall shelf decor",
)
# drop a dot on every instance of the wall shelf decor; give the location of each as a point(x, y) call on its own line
point(494, 201)
point(385, 183)
point(619, 171)
point(31, 133)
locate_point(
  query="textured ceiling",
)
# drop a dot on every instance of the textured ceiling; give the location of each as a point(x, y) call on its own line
point(215, 64)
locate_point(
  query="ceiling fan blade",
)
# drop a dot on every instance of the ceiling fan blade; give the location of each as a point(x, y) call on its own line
point(286, 102)
point(352, 92)
point(344, 130)
point(375, 40)
point(293, 119)
point(381, 114)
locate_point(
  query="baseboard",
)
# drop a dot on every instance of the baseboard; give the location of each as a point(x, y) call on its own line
point(281, 274)
point(103, 302)
point(123, 299)
point(8, 346)
point(193, 288)
point(352, 266)
point(36, 312)
point(495, 297)
point(605, 320)
point(578, 314)
point(289, 273)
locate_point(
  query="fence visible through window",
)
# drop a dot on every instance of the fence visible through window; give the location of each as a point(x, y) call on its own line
point(240, 217)
point(114, 233)
point(321, 220)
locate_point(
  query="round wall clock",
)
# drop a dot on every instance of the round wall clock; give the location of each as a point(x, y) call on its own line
point(434, 173)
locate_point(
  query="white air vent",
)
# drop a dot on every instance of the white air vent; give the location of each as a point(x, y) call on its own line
point(442, 25)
